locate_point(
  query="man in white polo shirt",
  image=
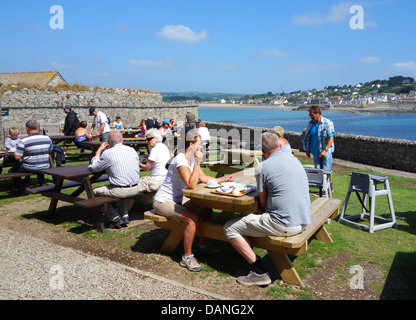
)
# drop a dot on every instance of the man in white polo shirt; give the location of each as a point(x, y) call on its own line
point(101, 123)
point(121, 163)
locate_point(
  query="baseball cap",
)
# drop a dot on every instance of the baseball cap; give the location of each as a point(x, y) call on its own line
point(165, 121)
point(92, 109)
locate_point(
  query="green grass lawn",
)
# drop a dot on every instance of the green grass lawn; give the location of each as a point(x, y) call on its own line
point(392, 251)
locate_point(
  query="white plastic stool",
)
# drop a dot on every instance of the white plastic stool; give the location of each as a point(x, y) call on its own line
point(366, 184)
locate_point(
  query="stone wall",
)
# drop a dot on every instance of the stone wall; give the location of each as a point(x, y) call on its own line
point(45, 106)
point(380, 152)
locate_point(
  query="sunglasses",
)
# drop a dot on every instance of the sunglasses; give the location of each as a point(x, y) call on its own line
point(149, 139)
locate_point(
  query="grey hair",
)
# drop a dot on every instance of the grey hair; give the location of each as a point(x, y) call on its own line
point(32, 125)
point(154, 133)
point(269, 141)
point(115, 137)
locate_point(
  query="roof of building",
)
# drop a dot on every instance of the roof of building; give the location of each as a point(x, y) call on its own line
point(42, 78)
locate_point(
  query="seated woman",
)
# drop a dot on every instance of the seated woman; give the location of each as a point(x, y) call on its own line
point(118, 125)
point(185, 172)
point(156, 161)
point(82, 135)
point(142, 128)
point(284, 144)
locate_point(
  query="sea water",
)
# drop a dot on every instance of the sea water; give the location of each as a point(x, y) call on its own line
point(374, 124)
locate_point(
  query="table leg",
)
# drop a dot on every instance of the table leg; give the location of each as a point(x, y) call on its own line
point(285, 268)
point(54, 202)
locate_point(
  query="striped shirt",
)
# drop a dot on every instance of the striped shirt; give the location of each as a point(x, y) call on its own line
point(324, 130)
point(121, 163)
point(34, 150)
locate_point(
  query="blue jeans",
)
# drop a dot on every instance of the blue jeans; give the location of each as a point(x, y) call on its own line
point(323, 162)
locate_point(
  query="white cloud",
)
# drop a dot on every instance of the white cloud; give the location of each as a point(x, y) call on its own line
point(227, 66)
point(303, 67)
point(99, 74)
point(57, 65)
point(370, 60)
point(405, 66)
point(337, 13)
point(151, 63)
point(196, 66)
point(123, 27)
point(275, 53)
point(182, 33)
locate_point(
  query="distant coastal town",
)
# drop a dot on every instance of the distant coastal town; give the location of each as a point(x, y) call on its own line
point(396, 94)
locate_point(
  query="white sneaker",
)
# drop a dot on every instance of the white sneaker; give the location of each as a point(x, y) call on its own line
point(255, 279)
point(191, 264)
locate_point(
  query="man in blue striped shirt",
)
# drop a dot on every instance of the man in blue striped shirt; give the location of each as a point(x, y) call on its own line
point(33, 151)
point(319, 139)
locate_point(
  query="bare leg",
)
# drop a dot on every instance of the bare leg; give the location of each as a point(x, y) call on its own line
point(189, 232)
point(243, 247)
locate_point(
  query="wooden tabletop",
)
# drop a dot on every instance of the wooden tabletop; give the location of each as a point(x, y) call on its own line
point(5, 153)
point(69, 172)
point(203, 196)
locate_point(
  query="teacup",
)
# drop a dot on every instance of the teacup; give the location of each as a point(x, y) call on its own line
point(212, 183)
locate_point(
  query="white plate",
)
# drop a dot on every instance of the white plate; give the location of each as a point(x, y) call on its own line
point(212, 186)
point(224, 190)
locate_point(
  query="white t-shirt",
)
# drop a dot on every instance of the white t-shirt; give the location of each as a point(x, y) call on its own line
point(160, 155)
point(171, 188)
point(204, 133)
point(99, 119)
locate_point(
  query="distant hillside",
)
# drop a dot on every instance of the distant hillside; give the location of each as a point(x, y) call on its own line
point(199, 96)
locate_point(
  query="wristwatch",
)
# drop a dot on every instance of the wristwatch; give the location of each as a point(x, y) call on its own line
point(326, 149)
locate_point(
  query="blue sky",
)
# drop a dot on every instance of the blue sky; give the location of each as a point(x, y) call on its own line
point(242, 46)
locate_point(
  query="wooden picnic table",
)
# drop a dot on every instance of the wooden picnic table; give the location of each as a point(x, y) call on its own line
point(56, 139)
point(6, 153)
point(136, 144)
point(129, 133)
point(81, 177)
point(277, 247)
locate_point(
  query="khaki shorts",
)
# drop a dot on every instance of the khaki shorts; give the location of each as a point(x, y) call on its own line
point(258, 225)
point(171, 209)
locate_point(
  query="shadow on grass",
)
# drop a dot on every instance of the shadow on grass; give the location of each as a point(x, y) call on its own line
point(228, 261)
point(76, 221)
point(401, 280)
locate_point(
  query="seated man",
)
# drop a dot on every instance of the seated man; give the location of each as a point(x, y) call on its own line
point(121, 163)
point(156, 161)
point(34, 152)
point(283, 197)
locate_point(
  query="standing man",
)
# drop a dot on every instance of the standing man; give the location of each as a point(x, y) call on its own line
point(121, 163)
point(190, 121)
point(71, 125)
point(101, 123)
point(319, 140)
point(283, 190)
point(33, 150)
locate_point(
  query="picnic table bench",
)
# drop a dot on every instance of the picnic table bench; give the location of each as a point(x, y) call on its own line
point(79, 176)
point(278, 248)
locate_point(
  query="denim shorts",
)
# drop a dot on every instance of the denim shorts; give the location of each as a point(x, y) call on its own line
point(324, 163)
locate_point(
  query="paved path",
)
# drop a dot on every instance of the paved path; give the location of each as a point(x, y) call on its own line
point(36, 269)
